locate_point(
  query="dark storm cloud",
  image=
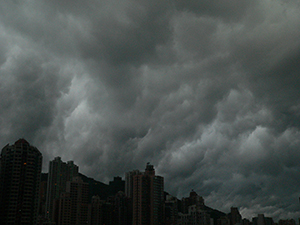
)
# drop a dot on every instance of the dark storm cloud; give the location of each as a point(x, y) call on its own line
point(232, 11)
point(129, 38)
point(207, 91)
point(29, 90)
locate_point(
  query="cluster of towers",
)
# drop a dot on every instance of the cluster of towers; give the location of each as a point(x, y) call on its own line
point(66, 197)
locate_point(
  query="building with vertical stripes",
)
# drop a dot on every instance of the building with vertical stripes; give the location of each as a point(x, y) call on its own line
point(148, 197)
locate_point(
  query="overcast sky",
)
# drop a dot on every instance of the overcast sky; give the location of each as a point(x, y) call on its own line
point(205, 90)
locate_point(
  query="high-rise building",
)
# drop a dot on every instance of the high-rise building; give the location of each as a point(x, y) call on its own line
point(234, 216)
point(95, 216)
point(122, 213)
point(102, 212)
point(171, 210)
point(20, 177)
point(63, 208)
point(223, 220)
point(148, 197)
point(116, 185)
point(42, 201)
point(73, 204)
point(115, 210)
point(193, 199)
point(129, 182)
point(262, 220)
point(195, 216)
point(59, 173)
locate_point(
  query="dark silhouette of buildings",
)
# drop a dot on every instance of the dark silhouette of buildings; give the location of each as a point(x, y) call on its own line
point(101, 211)
point(72, 206)
point(234, 216)
point(96, 188)
point(115, 210)
point(43, 194)
point(59, 173)
point(245, 221)
point(147, 191)
point(129, 182)
point(122, 210)
point(193, 199)
point(194, 211)
point(64, 197)
point(20, 176)
point(116, 185)
point(96, 212)
point(171, 210)
point(223, 220)
point(287, 222)
point(262, 220)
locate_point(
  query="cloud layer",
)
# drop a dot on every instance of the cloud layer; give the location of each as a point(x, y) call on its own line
point(207, 91)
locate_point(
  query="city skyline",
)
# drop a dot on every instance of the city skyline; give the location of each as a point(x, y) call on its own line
point(68, 170)
point(74, 202)
point(207, 91)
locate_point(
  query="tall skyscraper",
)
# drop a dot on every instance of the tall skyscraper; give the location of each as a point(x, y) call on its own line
point(59, 173)
point(122, 213)
point(20, 176)
point(171, 210)
point(96, 216)
point(73, 204)
point(234, 216)
point(148, 198)
point(129, 182)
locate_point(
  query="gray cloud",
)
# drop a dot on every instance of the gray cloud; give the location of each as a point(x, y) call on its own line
point(207, 91)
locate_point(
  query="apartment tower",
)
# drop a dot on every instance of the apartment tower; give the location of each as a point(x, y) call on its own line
point(73, 204)
point(59, 173)
point(148, 198)
point(20, 176)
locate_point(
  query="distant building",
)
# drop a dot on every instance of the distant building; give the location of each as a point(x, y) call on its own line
point(262, 220)
point(287, 222)
point(122, 213)
point(101, 212)
point(234, 216)
point(73, 205)
point(116, 185)
point(195, 216)
point(246, 222)
point(192, 208)
point(42, 201)
point(62, 208)
point(129, 182)
point(20, 177)
point(193, 199)
point(59, 173)
point(171, 210)
point(96, 213)
point(223, 220)
point(147, 191)
point(115, 210)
